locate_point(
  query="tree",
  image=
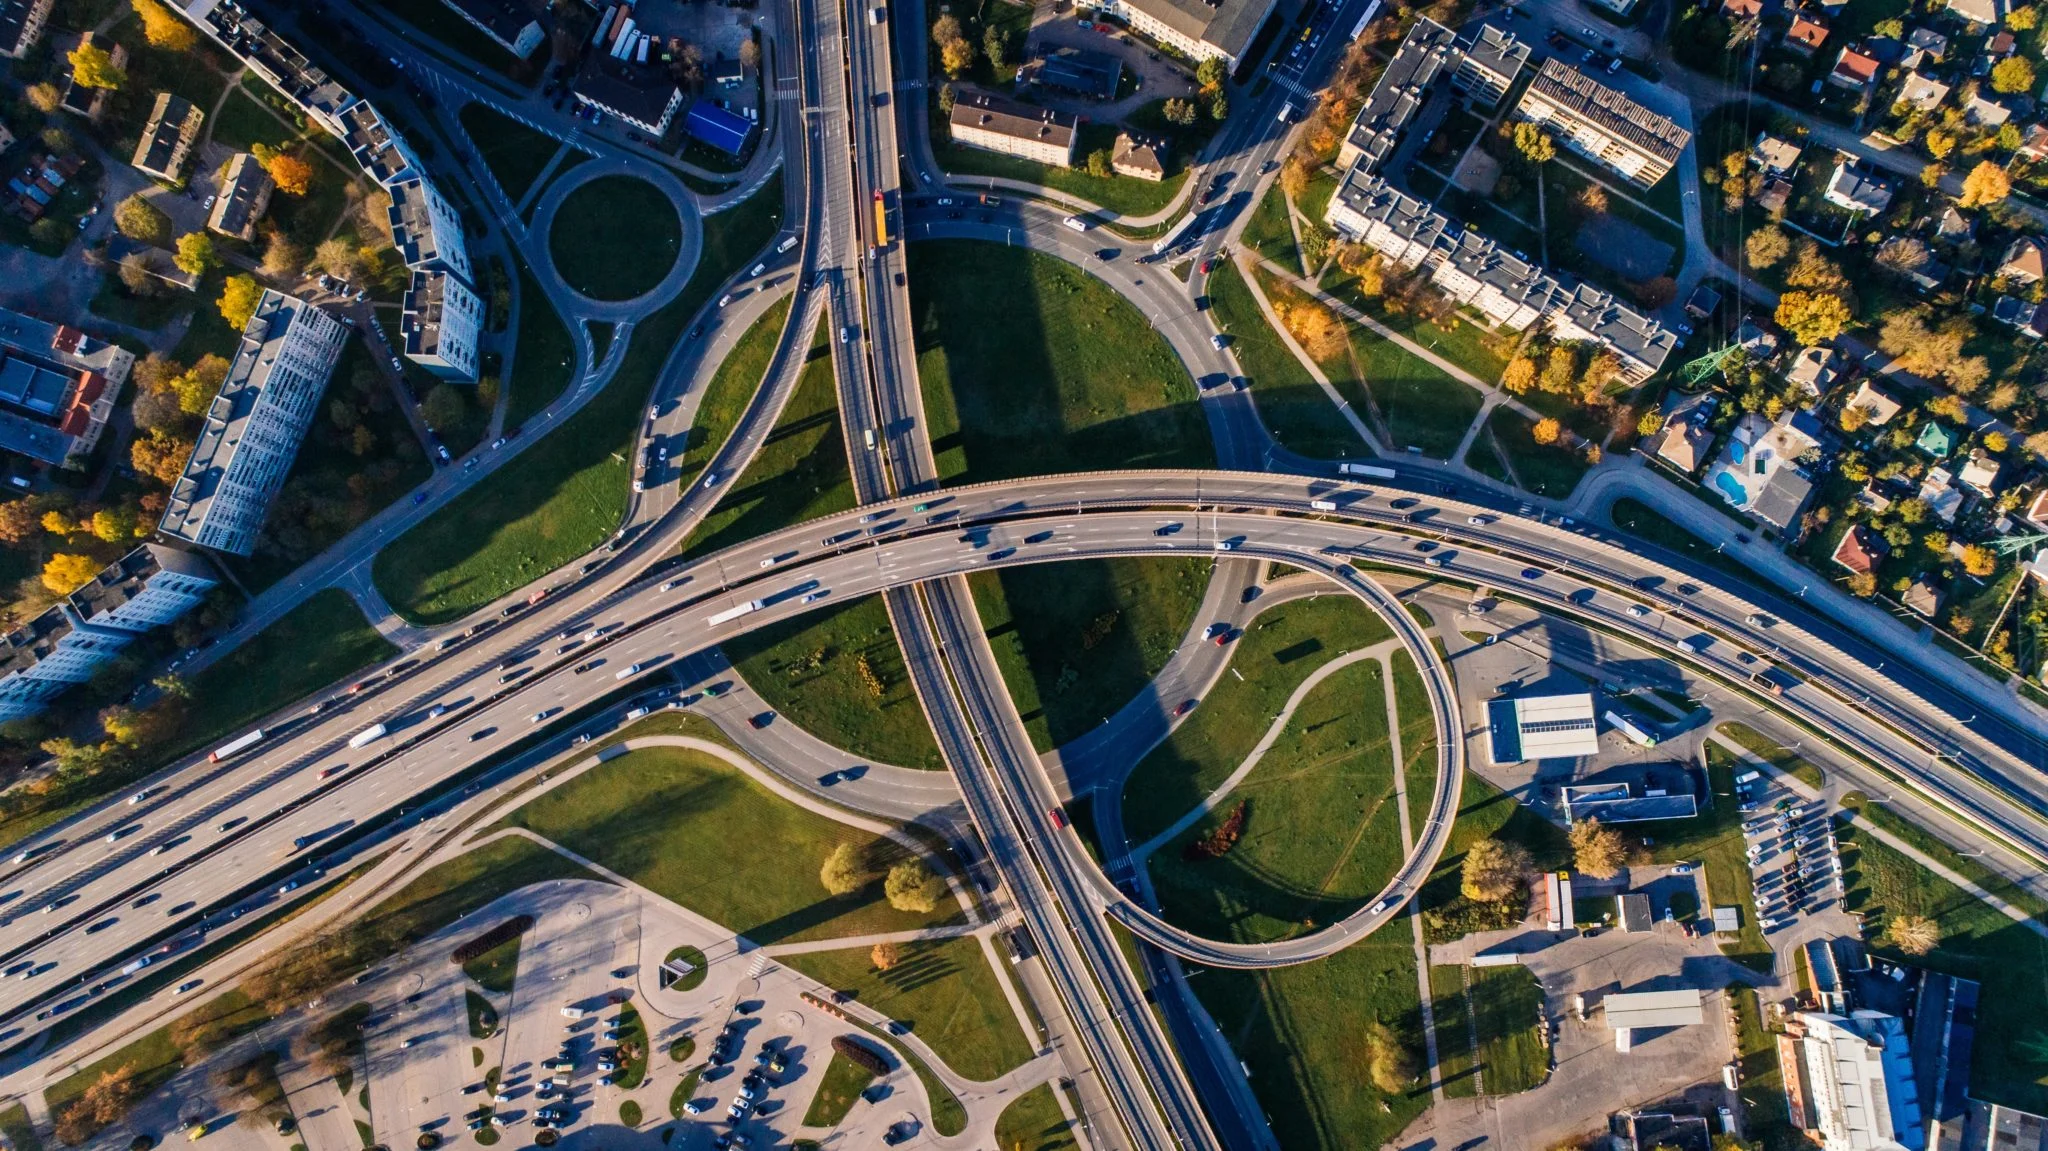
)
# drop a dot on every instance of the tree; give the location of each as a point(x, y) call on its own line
point(1390, 1065)
point(195, 387)
point(2011, 75)
point(1979, 560)
point(238, 300)
point(57, 139)
point(1210, 74)
point(338, 258)
point(1939, 143)
point(946, 28)
point(93, 67)
point(443, 407)
point(885, 955)
point(1913, 934)
point(911, 886)
point(995, 45)
point(1996, 442)
point(281, 257)
point(1546, 431)
point(20, 520)
point(1294, 177)
point(843, 873)
point(1520, 374)
point(1987, 183)
point(66, 573)
point(1534, 143)
point(136, 276)
point(1316, 328)
point(142, 221)
point(117, 525)
point(1891, 29)
point(1178, 111)
point(45, 97)
point(1560, 370)
point(1812, 317)
point(163, 28)
point(293, 176)
point(1219, 107)
point(1651, 423)
point(1597, 850)
point(956, 56)
point(750, 53)
point(1099, 164)
point(196, 255)
point(160, 455)
point(1493, 870)
point(1904, 254)
point(2022, 19)
point(101, 1106)
point(1864, 584)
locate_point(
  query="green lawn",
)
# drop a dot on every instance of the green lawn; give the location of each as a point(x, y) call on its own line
point(837, 1092)
point(1291, 404)
point(1076, 640)
point(564, 495)
point(1483, 810)
point(1032, 1121)
point(1969, 867)
point(1422, 405)
point(1545, 469)
point(153, 1059)
point(1269, 232)
point(1452, 1011)
point(837, 673)
point(1769, 750)
point(1297, 1031)
point(1714, 838)
point(944, 990)
point(1123, 195)
point(20, 1133)
point(615, 238)
point(1640, 519)
point(800, 472)
point(1065, 376)
point(544, 356)
point(483, 1018)
point(1418, 740)
point(1763, 1083)
point(731, 389)
point(516, 154)
point(633, 1048)
point(1322, 831)
point(321, 641)
point(495, 969)
point(1507, 1007)
point(667, 819)
point(243, 120)
point(1461, 341)
point(1280, 649)
point(1976, 943)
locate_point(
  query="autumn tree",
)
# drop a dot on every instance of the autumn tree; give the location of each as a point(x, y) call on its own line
point(1863, 585)
point(1913, 934)
point(66, 573)
point(293, 176)
point(843, 873)
point(1597, 850)
point(196, 255)
point(44, 97)
point(2023, 18)
point(1389, 1063)
point(1560, 370)
point(1979, 560)
point(196, 386)
point(160, 455)
point(995, 45)
point(1294, 177)
point(1534, 144)
point(238, 299)
point(750, 53)
point(93, 67)
point(1812, 317)
point(1178, 111)
point(116, 525)
point(282, 257)
point(1100, 163)
point(142, 221)
point(338, 258)
point(1493, 870)
point(911, 886)
point(1546, 431)
point(885, 955)
point(1939, 143)
point(102, 1105)
point(2012, 75)
point(1315, 327)
point(1519, 376)
point(1987, 183)
point(135, 274)
point(163, 28)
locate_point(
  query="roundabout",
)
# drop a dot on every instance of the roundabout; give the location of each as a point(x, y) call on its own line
point(597, 209)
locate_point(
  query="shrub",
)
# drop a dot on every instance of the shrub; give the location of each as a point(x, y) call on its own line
point(858, 1051)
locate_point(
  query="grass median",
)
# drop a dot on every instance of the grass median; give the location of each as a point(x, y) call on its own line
point(615, 237)
point(838, 674)
point(837, 1093)
point(515, 153)
point(1418, 740)
point(543, 357)
point(692, 828)
point(567, 493)
point(1291, 404)
point(730, 390)
point(943, 990)
point(1034, 1121)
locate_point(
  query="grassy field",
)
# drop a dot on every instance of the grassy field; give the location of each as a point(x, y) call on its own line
point(1507, 1007)
point(1976, 943)
point(516, 154)
point(944, 990)
point(1767, 749)
point(1418, 740)
point(565, 494)
point(800, 472)
point(666, 818)
point(1322, 832)
point(1763, 1084)
point(731, 389)
point(1714, 838)
point(822, 671)
point(1280, 649)
point(1291, 404)
point(615, 238)
point(321, 641)
point(837, 1092)
point(544, 356)
point(1075, 641)
point(20, 1133)
point(1297, 1031)
point(1483, 810)
point(1269, 232)
point(495, 969)
point(1545, 469)
point(1969, 867)
point(152, 1060)
point(1065, 376)
point(1123, 195)
point(1452, 1011)
point(1458, 340)
point(1033, 1121)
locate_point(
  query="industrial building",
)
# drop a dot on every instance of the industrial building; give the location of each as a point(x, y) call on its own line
point(1855, 1075)
point(1541, 727)
point(1618, 803)
point(718, 127)
point(254, 426)
point(1632, 1011)
point(57, 388)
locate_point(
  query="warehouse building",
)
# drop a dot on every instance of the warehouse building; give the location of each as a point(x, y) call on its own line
point(1541, 727)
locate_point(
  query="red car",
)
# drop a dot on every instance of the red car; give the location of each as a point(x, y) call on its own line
point(1186, 706)
point(1207, 265)
point(1059, 818)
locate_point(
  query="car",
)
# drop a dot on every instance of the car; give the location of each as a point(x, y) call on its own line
point(1209, 264)
point(695, 1107)
point(1218, 342)
point(1185, 706)
point(1614, 65)
point(288, 888)
point(761, 720)
point(1638, 610)
point(711, 479)
point(1531, 573)
point(1478, 521)
point(725, 299)
point(189, 985)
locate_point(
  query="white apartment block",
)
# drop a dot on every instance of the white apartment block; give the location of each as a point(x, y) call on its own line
point(442, 324)
point(1601, 124)
point(426, 229)
point(998, 124)
point(254, 427)
point(21, 25)
point(149, 587)
point(1203, 29)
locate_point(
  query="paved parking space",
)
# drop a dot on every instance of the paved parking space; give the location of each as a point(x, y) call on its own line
point(1793, 859)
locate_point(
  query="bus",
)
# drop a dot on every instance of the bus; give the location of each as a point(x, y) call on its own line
point(881, 220)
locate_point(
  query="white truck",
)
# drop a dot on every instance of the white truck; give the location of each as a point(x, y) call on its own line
point(1373, 470)
point(367, 736)
point(732, 613)
point(235, 746)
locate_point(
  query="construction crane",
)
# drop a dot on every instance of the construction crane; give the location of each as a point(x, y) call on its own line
point(1714, 361)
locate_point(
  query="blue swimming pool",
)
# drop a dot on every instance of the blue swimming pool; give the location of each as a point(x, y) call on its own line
point(1738, 451)
point(1732, 488)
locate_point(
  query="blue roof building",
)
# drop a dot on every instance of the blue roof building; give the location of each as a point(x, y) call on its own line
point(713, 125)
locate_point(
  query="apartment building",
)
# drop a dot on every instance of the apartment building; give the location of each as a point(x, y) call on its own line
point(1489, 62)
point(167, 138)
point(442, 323)
point(274, 58)
point(1204, 29)
point(1428, 52)
point(509, 24)
point(244, 194)
point(147, 588)
point(998, 124)
point(426, 229)
point(21, 25)
point(86, 102)
point(57, 388)
point(255, 424)
point(1601, 124)
point(378, 149)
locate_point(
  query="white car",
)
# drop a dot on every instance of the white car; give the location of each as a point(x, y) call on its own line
point(710, 479)
point(725, 299)
point(696, 1107)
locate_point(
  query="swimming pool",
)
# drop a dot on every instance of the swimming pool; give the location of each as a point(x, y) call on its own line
point(1732, 488)
point(1738, 451)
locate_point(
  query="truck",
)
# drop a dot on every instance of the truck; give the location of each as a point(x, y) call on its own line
point(1628, 727)
point(236, 746)
point(646, 468)
point(1373, 470)
point(367, 736)
point(732, 613)
point(1695, 644)
point(881, 220)
point(1763, 679)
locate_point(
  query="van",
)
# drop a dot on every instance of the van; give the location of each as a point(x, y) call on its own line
point(572, 1013)
point(786, 245)
point(1076, 223)
point(868, 436)
point(1323, 505)
point(877, 14)
point(1287, 113)
point(636, 713)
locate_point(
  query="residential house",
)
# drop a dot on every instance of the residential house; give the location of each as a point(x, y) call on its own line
point(2037, 510)
point(1879, 408)
point(1854, 70)
point(2034, 142)
point(1939, 491)
point(1429, 52)
point(1807, 33)
point(1953, 226)
point(1683, 444)
point(1140, 157)
point(1924, 93)
point(1761, 469)
point(1203, 29)
point(1813, 369)
point(1924, 597)
point(1737, 10)
point(1775, 196)
point(167, 138)
point(1861, 550)
point(1936, 440)
point(1855, 189)
point(1924, 46)
point(57, 388)
point(1756, 340)
point(1874, 497)
point(1774, 157)
point(1983, 113)
point(1980, 472)
point(2030, 318)
point(1601, 124)
point(2000, 45)
point(1094, 75)
point(1982, 12)
point(1911, 259)
point(998, 124)
point(244, 193)
point(2025, 261)
point(1702, 303)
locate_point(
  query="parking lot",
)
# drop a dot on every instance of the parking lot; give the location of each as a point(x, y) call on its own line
point(1793, 859)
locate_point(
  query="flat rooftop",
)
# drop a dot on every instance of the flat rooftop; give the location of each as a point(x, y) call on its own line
point(1634, 1009)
